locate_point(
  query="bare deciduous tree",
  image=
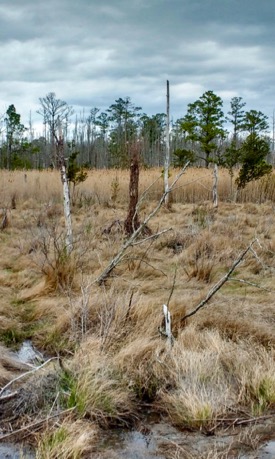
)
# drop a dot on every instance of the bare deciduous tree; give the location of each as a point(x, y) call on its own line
point(54, 111)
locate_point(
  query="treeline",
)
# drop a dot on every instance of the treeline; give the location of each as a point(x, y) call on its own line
point(104, 139)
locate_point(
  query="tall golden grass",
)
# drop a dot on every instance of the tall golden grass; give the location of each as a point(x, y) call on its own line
point(102, 186)
point(110, 336)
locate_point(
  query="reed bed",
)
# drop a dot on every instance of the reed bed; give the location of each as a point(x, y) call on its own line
point(105, 186)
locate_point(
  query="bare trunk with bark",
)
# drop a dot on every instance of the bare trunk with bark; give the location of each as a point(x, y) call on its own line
point(132, 220)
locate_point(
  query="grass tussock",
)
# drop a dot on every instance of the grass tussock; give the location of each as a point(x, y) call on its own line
point(214, 377)
point(100, 391)
point(70, 440)
point(111, 337)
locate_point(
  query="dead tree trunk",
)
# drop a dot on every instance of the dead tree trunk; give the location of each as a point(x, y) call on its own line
point(167, 152)
point(66, 191)
point(132, 221)
point(215, 186)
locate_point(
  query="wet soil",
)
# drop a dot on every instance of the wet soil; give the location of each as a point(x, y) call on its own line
point(162, 441)
point(154, 437)
point(11, 451)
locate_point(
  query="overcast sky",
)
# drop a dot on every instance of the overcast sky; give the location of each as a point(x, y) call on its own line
point(91, 52)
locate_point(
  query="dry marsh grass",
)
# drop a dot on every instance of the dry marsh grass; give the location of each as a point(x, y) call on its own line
point(70, 440)
point(109, 336)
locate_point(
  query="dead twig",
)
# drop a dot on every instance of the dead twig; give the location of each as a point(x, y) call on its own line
point(238, 421)
point(8, 396)
point(26, 374)
point(4, 222)
point(221, 282)
point(145, 262)
point(173, 287)
point(152, 237)
point(252, 284)
point(35, 424)
point(129, 307)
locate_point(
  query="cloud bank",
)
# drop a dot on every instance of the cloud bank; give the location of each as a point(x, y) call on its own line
point(92, 52)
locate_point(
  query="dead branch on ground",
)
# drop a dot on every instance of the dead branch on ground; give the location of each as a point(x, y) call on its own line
point(26, 374)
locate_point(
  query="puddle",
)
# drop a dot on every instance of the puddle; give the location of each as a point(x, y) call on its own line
point(28, 354)
point(155, 438)
point(130, 445)
point(10, 451)
point(160, 440)
point(268, 451)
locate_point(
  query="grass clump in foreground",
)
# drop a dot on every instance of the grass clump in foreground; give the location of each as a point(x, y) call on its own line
point(99, 390)
point(116, 362)
point(71, 440)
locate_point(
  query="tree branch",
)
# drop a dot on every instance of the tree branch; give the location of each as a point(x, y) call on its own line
point(36, 423)
point(221, 282)
point(26, 374)
point(252, 284)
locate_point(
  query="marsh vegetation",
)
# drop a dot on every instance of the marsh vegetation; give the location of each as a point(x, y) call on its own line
point(106, 360)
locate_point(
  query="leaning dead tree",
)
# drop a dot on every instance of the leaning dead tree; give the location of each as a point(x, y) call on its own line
point(132, 239)
point(132, 221)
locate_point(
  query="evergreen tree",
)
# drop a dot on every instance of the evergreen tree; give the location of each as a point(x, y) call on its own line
point(255, 122)
point(203, 125)
point(123, 115)
point(253, 159)
point(152, 134)
point(236, 117)
point(16, 152)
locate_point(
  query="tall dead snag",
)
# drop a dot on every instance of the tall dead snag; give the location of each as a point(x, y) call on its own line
point(167, 150)
point(56, 113)
point(66, 192)
point(132, 221)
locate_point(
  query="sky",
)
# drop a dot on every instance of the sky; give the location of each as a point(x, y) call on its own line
point(91, 52)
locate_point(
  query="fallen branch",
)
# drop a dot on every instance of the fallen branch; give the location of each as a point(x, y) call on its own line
point(35, 424)
point(115, 261)
point(26, 374)
point(145, 262)
point(239, 421)
point(152, 237)
point(8, 396)
point(173, 287)
point(221, 282)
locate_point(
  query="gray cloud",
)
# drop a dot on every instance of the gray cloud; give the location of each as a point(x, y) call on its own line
point(91, 52)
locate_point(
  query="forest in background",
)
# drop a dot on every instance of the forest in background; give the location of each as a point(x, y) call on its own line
point(104, 139)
